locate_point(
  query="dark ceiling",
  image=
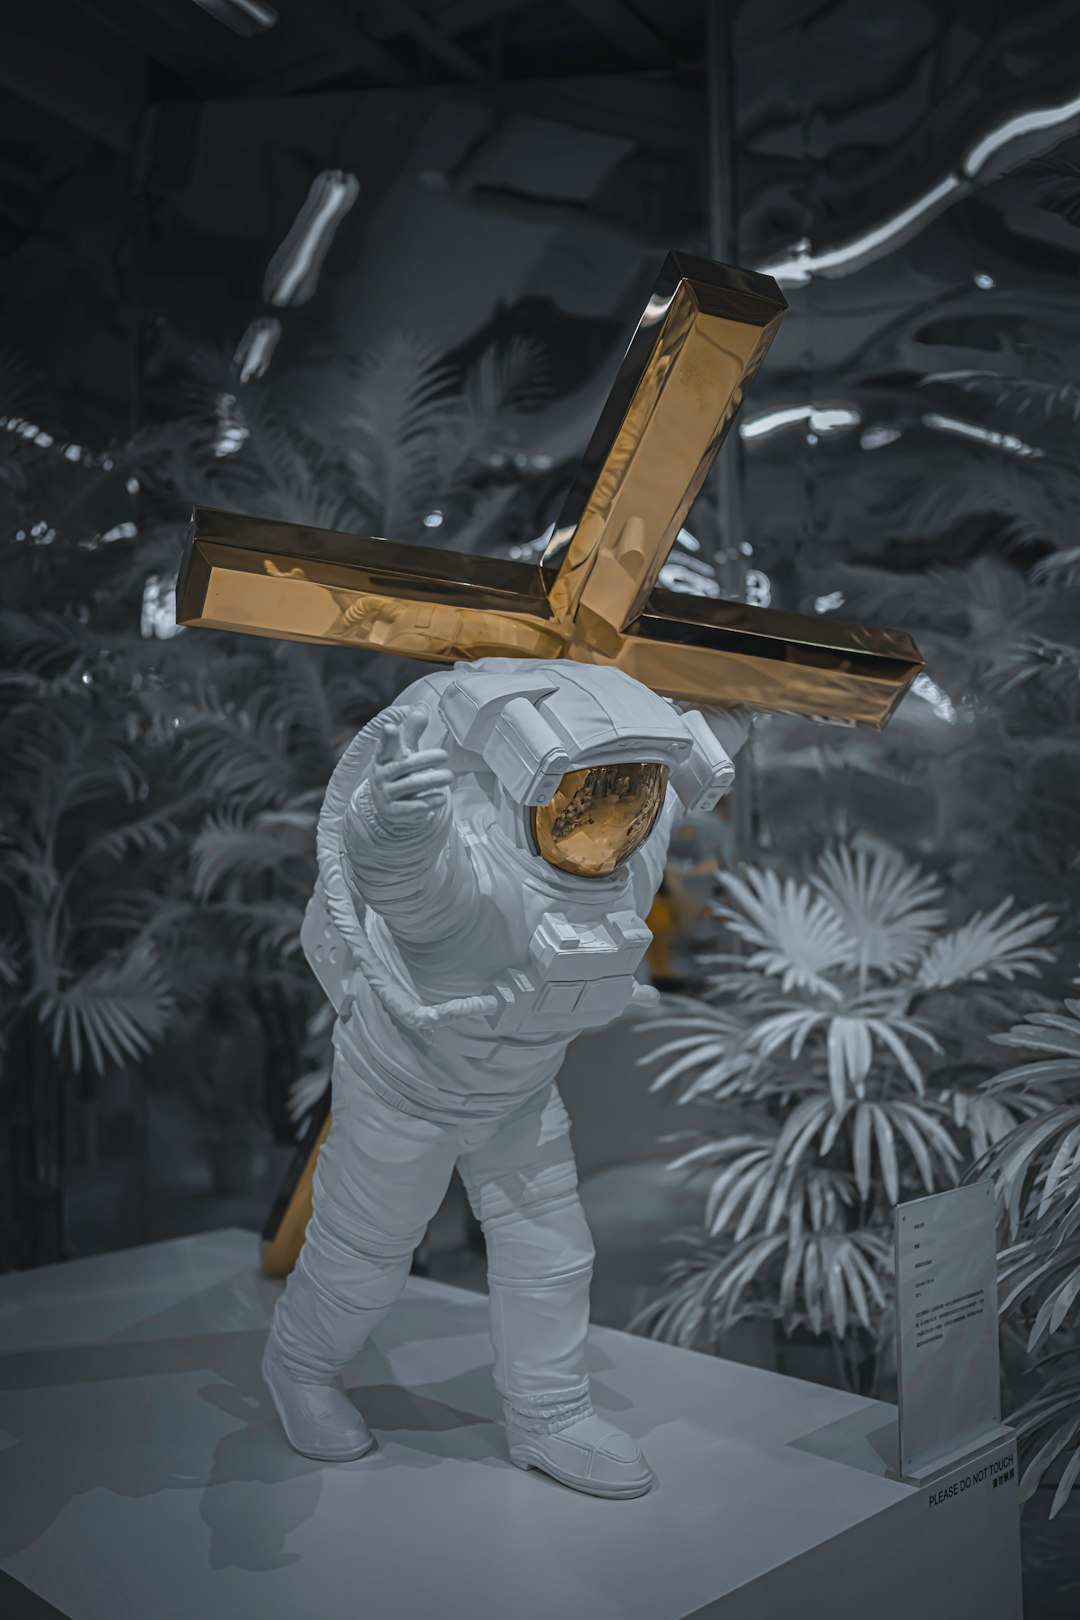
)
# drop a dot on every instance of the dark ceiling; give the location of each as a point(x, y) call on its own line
point(94, 68)
point(101, 102)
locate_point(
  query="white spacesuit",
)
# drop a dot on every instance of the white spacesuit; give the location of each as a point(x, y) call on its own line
point(488, 850)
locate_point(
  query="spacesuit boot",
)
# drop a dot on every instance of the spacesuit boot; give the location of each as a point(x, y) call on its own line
point(318, 1417)
point(579, 1449)
point(380, 1176)
point(522, 1185)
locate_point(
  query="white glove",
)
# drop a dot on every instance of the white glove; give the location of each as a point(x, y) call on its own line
point(409, 786)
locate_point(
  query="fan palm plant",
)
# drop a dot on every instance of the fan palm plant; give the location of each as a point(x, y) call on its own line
point(160, 793)
point(1036, 1169)
point(91, 829)
point(972, 548)
point(847, 1038)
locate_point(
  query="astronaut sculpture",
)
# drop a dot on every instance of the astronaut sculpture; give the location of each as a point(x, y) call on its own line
point(488, 849)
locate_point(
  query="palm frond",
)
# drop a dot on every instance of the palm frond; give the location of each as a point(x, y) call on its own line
point(11, 960)
point(242, 754)
point(401, 393)
point(1057, 1035)
point(713, 1068)
point(797, 936)
point(994, 943)
point(231, 846)
point(985, 1119)
point(113, 1013)
point(1060, 568)
point(1054, 664)
point(487, 512)
point(851, 1042)
point(268, 928)
point(887, 904)
point(1024, 510)
point(504, 380)
point(1020, 1164)
point(1055, 1408)
point(824, 1280)
point(513, 376)
point(1026, 396)
point(153, 832)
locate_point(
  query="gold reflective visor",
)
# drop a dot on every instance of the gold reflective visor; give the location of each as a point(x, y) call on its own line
point(599, 817)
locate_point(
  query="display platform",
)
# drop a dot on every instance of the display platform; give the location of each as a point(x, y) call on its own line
point(143, 1475)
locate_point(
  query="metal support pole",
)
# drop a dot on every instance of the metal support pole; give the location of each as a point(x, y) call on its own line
point(727, 473)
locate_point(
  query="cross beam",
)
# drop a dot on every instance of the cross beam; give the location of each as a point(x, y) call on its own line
point(594, 597)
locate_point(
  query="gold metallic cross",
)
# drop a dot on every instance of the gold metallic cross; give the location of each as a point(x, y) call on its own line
point(593, 597)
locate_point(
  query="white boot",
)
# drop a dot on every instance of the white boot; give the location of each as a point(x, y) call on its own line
point(319, 1419)
point(588, 1453)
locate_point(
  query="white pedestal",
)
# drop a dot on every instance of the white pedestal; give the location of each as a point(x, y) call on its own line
point(143, 1475)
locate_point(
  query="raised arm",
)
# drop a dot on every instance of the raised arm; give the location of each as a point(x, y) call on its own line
point(405, 859)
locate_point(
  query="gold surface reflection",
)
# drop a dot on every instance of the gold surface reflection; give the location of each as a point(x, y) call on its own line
point(599, 817)
point(697, 346)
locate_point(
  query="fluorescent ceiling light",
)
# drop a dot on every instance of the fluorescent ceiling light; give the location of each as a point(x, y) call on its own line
point(256, 348)
point(972, 430)
point(293, 272)
point(1027, 123)
point(244, 17)
point(800, 264)
point(819, 420)
point(930, 692)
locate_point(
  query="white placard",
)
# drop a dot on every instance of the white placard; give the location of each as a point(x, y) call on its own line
point(947, 1355)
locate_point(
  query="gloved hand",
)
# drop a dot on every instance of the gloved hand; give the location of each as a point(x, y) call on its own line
point(409, 786)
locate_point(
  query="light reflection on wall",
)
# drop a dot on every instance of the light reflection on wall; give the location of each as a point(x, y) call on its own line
point(1028, 132)
point(820, 420)
point(256, 348)
point(941, 703)
point(158, 617)
point(971, 430)
point(293, 273)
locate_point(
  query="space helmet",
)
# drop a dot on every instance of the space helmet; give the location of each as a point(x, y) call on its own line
point(582, 756)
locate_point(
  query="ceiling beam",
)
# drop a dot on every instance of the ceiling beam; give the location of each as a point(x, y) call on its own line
point(622, 26)
point(352, 48)
point(402, 16)
point(455, 16)
point(185, 40)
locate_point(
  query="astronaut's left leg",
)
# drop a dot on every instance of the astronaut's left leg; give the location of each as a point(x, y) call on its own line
point(522, 1184)
point(380, 1177)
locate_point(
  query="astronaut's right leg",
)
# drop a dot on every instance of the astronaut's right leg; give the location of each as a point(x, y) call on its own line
point(381, 1176)
point(522, 1183)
